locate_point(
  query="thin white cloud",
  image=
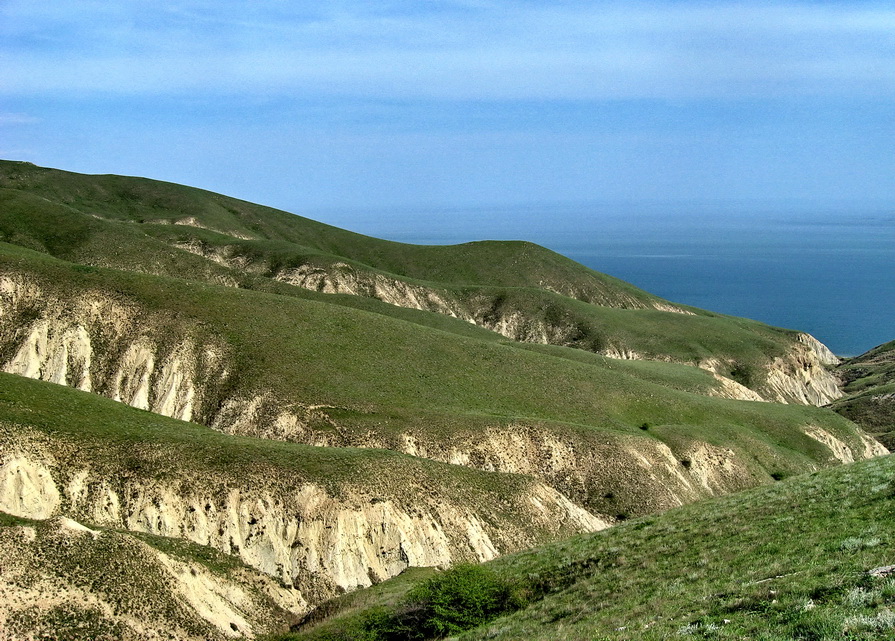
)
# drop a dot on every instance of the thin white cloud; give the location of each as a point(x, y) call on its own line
point(7, 119)
point(462, 51)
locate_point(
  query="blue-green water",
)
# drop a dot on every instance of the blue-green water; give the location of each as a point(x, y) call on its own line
point(830, 273)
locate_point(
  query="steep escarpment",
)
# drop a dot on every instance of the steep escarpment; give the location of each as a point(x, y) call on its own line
point(612, 474)
point(804, 375)
point(320, 521)
point(535, 314)
point(317, 542)
point(623, 476)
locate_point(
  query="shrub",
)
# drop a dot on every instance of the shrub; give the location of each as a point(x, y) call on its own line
point(459, 599)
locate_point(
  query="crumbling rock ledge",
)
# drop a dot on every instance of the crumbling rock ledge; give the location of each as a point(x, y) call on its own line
point(314, 541)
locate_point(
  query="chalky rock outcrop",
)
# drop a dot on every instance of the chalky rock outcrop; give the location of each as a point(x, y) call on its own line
point(314, 538)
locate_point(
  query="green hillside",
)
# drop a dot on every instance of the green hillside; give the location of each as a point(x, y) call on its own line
point(325, 410)
point(789, 561)
point(869, 384)
point(250, 362)
point(524, 291)
point(35, 198)
point(86, 430)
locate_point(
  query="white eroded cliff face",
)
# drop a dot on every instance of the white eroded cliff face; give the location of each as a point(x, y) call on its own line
point(623, 474)
point(98, 344)
point(62, 579)
point(317, 541)
point(642, 474)
point(869, 448)
point(342, 278)
point(27, 488)
point(803, 375)
point(729, 388)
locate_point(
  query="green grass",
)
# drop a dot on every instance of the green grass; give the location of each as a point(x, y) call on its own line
point(360, 361)
point(875, 367)
point(787, 561)
point(869, 385)
point(128, 449)
point(381, 372)
point(120, 439)
point(9, 520)
point(279, 235)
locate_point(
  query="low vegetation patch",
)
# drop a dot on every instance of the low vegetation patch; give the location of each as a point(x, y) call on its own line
point(446, 604)
point(806, 558)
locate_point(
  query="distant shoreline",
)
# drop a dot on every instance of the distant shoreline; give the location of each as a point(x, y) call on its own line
point(828, 274)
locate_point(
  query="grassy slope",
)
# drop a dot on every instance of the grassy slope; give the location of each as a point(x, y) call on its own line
point(788, 561)
point(869, 384)
point(388, 376)
point(278, 235)
point(117, 436)
point(120, 442)
point(112, 221)
point(392, 370)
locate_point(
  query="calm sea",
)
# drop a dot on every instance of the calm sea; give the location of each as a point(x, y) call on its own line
point(830, 273)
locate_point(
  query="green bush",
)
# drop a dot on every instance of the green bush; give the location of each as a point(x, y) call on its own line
point(458, 599)
point(462, 598)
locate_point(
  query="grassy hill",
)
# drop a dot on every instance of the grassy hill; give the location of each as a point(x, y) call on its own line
point(788, 561)
point(523, 291)
point(36, 198)
point(869, 383)
point(353, 407)
point(618, 437)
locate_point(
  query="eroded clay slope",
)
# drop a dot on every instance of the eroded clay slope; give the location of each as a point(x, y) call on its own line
point(803, 375)
point(99, 343)
point(64, 580)
point(319, 527)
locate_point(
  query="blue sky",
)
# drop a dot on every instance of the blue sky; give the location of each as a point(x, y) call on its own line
point(313, 106)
